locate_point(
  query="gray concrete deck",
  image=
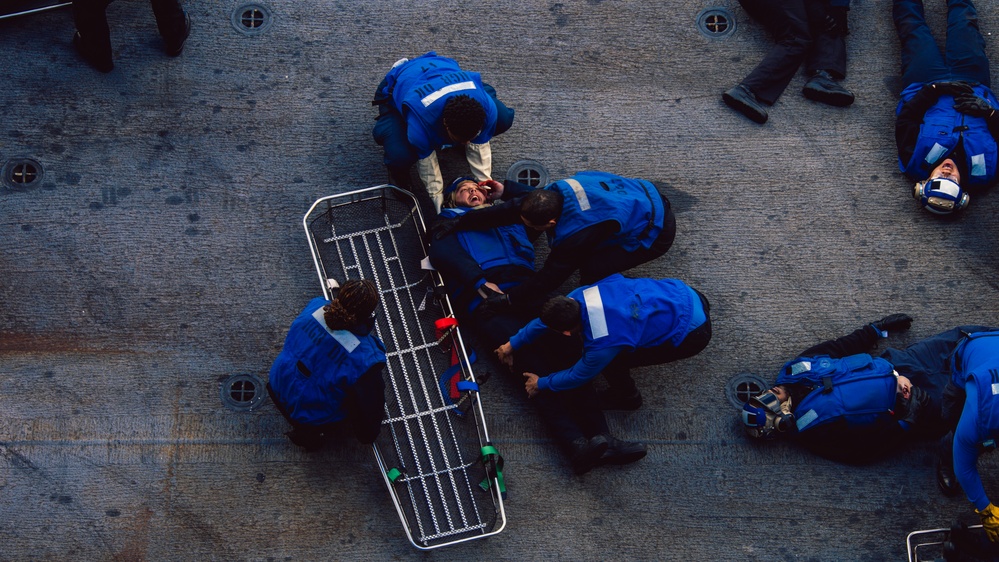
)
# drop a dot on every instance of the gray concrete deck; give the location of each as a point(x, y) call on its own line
point(163, 252)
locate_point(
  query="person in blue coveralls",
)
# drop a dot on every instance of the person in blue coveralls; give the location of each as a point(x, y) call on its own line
point(427, 103)
point(946, 122)
point(841, 403)
point(477, 263)
point(329, 372)
point(971, 408)
point(596, 222)
point(622, 323)
point(812, 32)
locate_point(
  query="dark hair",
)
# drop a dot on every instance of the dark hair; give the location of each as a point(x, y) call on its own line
point(463, 117)
point(353, 305)
point(560, 314)
point(541, 206)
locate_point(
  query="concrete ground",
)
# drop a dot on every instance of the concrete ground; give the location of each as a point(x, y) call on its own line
point(163, 252)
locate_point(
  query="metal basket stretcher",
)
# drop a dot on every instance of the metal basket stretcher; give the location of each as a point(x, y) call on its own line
point(441, 470)
point(928, 544)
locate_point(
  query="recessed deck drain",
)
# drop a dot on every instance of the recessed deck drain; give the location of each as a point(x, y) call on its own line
point(242, 392)
point(252, 19)
point(528, 172)
point(744, 386)
point(22, 173)
point(715, 23)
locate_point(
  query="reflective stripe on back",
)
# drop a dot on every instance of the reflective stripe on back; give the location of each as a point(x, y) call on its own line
point(577, 188)
point(426, 101)
point(595, 312)
point(348, 340)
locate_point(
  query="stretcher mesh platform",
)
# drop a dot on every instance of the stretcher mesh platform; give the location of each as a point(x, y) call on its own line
point(434, 451)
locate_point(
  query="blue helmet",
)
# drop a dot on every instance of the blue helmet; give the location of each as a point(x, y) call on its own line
point(940, 196)
point(450, 190)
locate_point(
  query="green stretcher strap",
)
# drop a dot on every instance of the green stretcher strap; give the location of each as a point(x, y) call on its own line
point(493, 462)
point(393, 474)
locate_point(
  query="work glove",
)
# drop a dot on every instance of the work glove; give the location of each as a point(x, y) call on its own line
point(493, 300)
point(970, 104)
point(955, 88)
point(892, 323)
point(990, 521)
point(836, 21)
point(443, 226)
point(914, 406)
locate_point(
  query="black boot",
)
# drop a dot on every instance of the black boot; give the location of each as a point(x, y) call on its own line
point(946, 480)
point(584, 453)
point(311, 441)
point(622, 452)
point(174, 44)
point(823, 89)
point(97, 55)
point(743, 100)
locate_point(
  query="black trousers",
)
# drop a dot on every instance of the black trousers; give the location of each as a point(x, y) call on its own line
point(614, 259)
point(798, 26)
point(92, 22)
point(618, 372)
point(569, 415)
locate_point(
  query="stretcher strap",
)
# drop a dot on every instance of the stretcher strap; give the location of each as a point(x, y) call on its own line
point(443, 326)
point(493, 462)
point(393, 474)
point(467, 386)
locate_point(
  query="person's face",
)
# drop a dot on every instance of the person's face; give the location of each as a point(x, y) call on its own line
point(469, 194)
point(948, 170)
point(780, 393)
point(904, 387)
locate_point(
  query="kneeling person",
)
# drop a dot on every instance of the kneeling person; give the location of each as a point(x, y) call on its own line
point(477, 264)
point(623, 323)
point(329, 370)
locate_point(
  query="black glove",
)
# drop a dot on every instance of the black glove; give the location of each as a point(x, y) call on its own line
point(955, 89)
point(893, 323)
point(970, 104)
point(493, 300)
point(498, 302)
point(911, 409)
point(836, 21)
point(443, 226)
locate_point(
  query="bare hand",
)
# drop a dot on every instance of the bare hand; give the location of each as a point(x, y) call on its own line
point(491, 286)
point(494, 187)
point(505, 354)
point(531, 384)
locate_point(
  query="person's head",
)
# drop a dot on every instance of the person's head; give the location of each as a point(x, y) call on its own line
point(465, 192)
point(541, 209)
point(561, 314)
point(947, 170)
point(768, 415)
point(940, 196)
point(463, 118)
point(353, 305)
point(904, 386)
point(941, 193)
